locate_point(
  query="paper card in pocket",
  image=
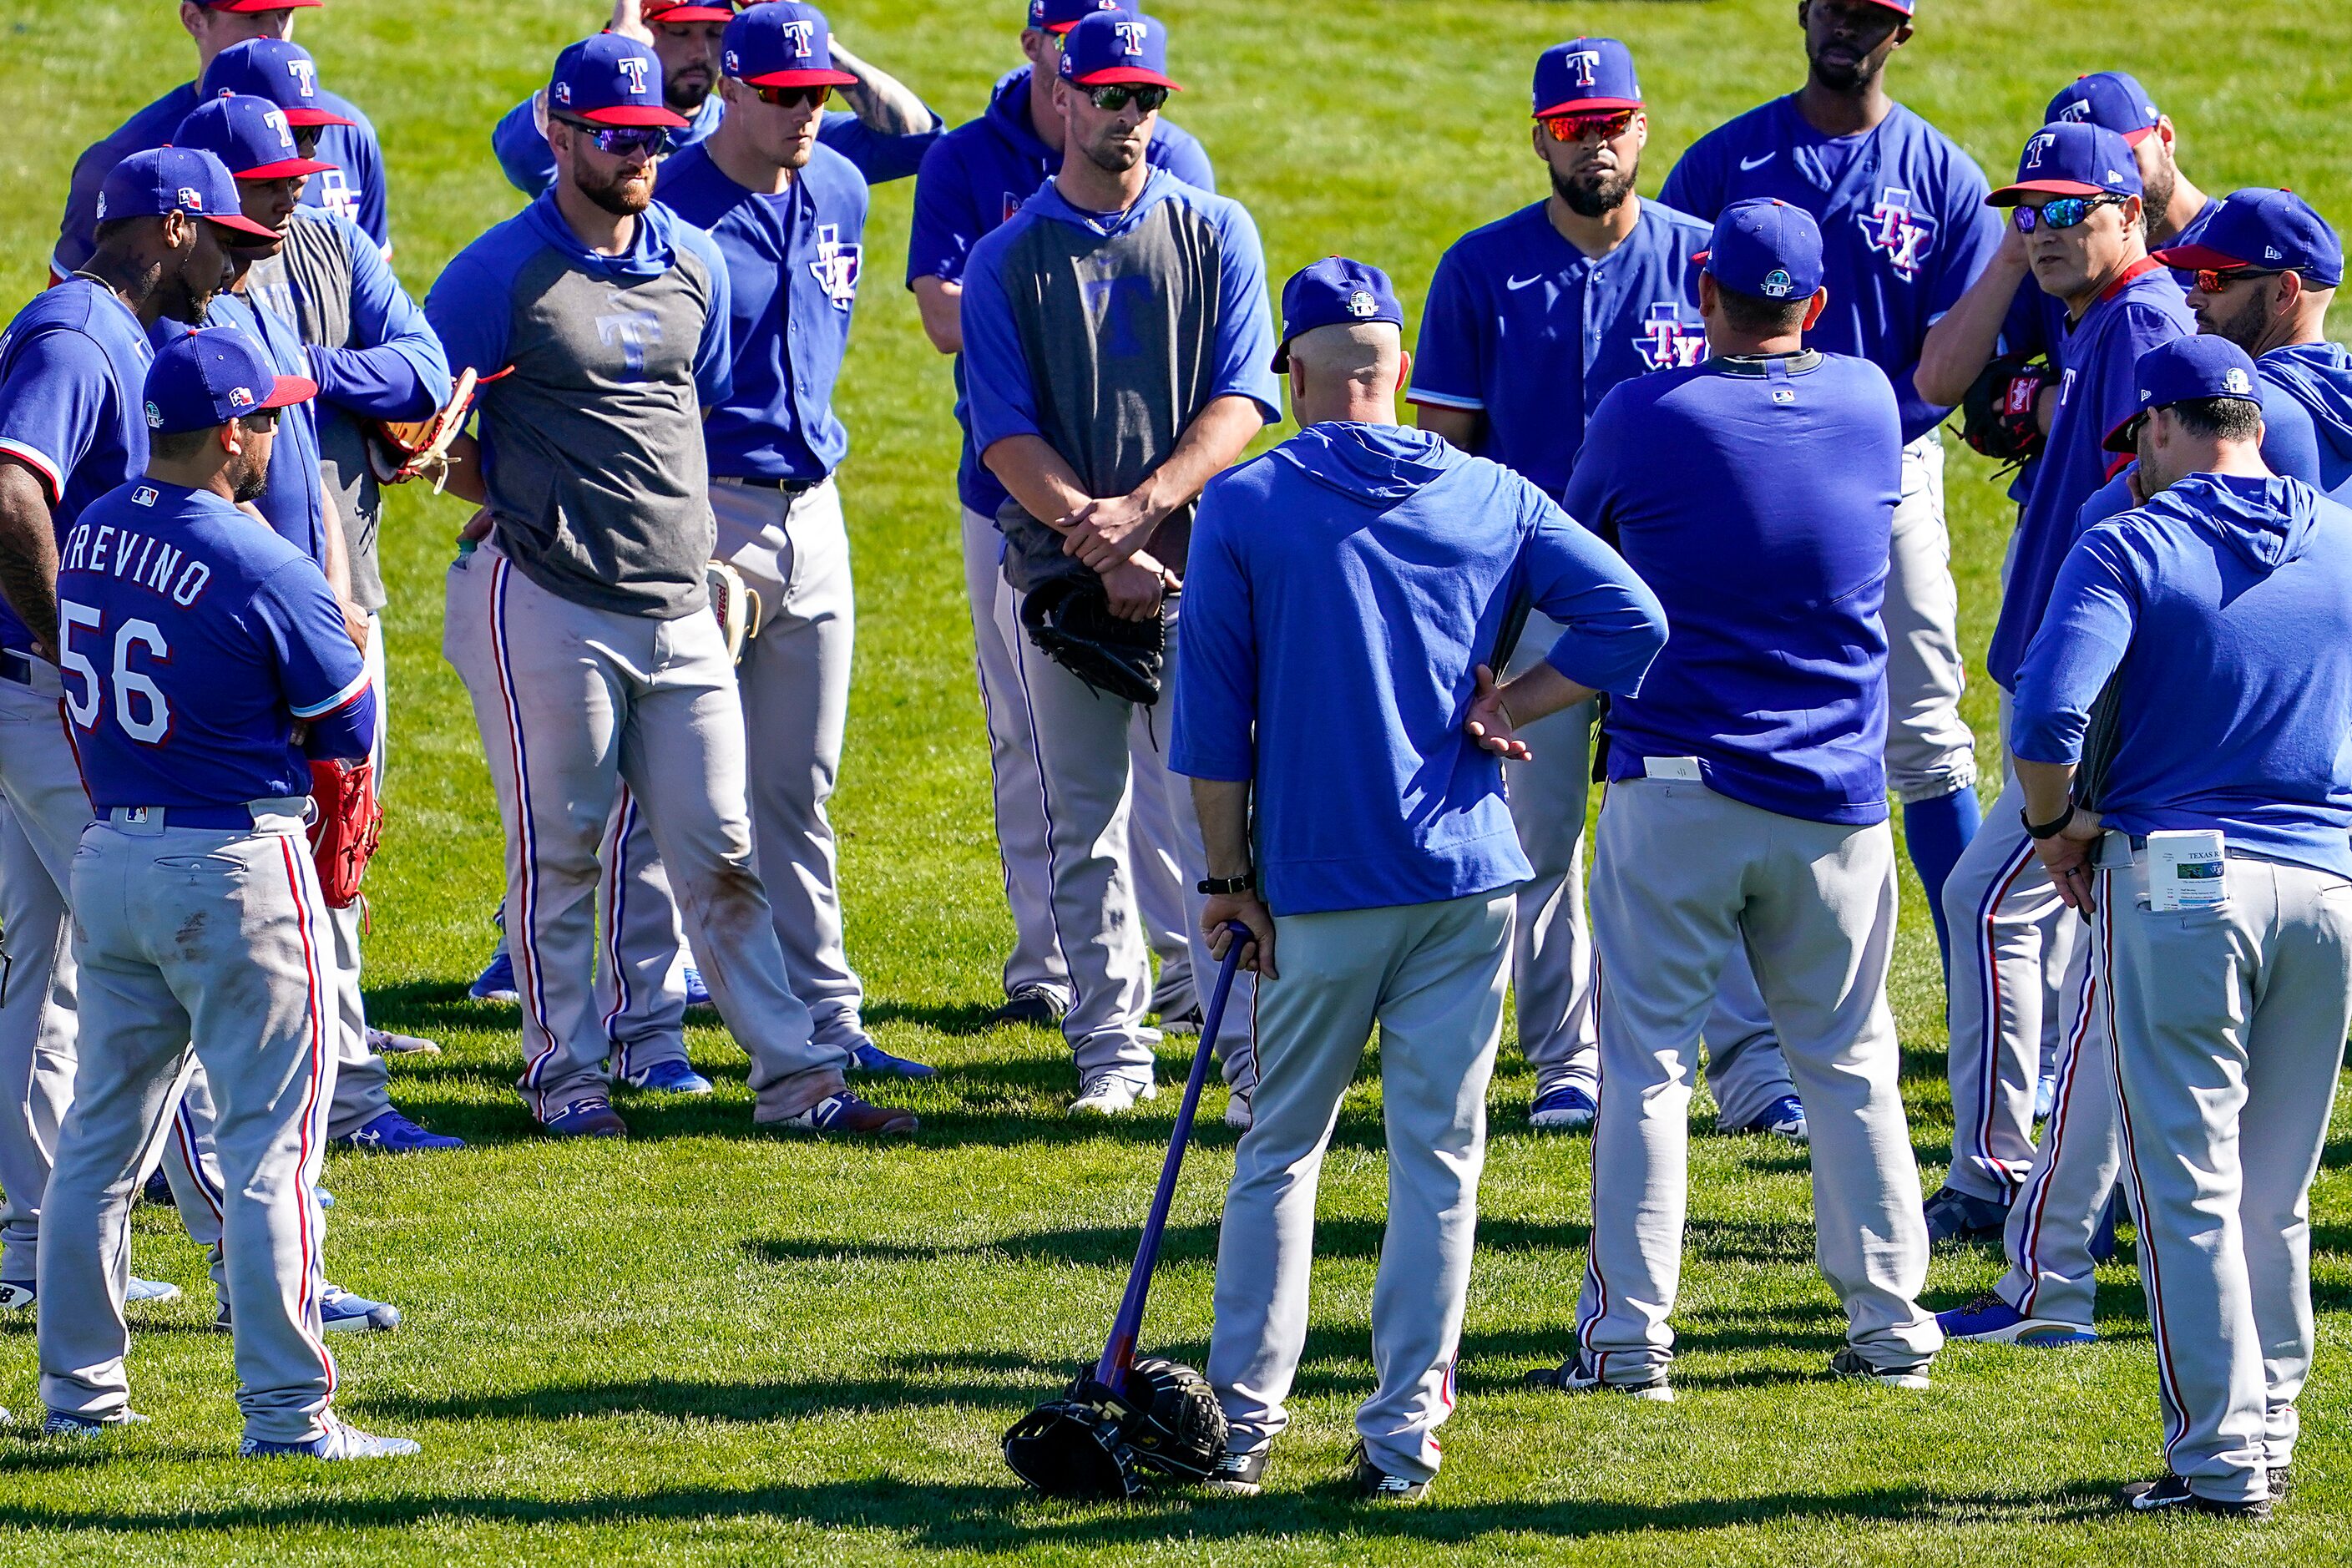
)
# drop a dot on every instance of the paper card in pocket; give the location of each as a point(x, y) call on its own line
point(2187, 869)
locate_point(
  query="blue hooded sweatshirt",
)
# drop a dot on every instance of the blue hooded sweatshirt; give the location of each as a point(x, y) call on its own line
point(2319, 377)
point(1342, 590)
point(2223, 607)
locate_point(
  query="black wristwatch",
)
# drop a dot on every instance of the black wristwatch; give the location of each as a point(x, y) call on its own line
point(1224, 887)
point(2038, 831)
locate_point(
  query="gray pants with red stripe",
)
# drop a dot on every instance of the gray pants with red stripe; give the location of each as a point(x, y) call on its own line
point(2226, 1027)
point(220, 938)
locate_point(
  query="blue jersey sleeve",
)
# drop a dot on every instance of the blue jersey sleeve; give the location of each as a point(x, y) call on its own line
point(295, 617)
point(1971, 250)
point(714, 358)
point(1449, 364)
point(53, 404)
point(879, 157)
point(400, 372)
point(947, 220)
point(1695, 185)
point(374, 215)
point(2025, 330)
point(1615, 625)
point(1592, 482)
point(470, 310)
point(2114, 389)
point(2093, 605)
point(2110, 500)
point(523, 154)
point(1216, 695)
point(997, 382)
point(1245, 339)
point(1181, 154)
point(2290, 441)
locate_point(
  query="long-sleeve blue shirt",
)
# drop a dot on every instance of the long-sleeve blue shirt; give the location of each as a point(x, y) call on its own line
point(2224, 609)
point(1343, 589)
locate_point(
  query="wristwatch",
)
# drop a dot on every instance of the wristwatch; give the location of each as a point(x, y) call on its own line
point(1224, 887)
point(2038, 831)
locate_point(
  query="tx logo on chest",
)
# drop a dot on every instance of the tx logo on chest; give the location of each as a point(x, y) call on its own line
point(1667, 341)
point(1906, 237)
point(836, 264)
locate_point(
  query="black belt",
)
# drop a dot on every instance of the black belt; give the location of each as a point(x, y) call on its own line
point(790, 487)
point(16, 667)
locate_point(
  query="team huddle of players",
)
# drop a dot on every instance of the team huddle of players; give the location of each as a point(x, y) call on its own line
point(657, 337)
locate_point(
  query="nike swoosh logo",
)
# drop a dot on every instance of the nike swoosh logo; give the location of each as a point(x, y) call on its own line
point(1747, 164)
point(1515, 284)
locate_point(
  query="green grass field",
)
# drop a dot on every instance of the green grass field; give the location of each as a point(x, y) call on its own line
point(704, 1345)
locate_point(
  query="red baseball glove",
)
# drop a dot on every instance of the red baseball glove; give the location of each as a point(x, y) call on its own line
point(343, 832)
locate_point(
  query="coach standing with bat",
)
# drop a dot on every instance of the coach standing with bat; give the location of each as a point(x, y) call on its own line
point(1116, 342)
point(1348, 589)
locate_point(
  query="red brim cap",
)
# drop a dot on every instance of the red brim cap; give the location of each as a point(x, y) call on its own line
point(2189, 258)
point(1125, 76)
point(2008, 194)
point(688, 11)
point(240, 224)
point(1588, 106)
point(802, 78)
point(284, 169)
point(2125, 437)
point(2134, 138)
point(633, 114)
point(245, 5)
point(302, 119)
point(290, 390)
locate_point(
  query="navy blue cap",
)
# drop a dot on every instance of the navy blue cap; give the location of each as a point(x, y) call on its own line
point(1765, 248)
point(2276, 231)
point(1334, 291)
point(2067, 158)
point(610, 81)
point(2109, 99)
point(212, 376)
point(1061, 16)
point(781, 44)
point(1111, 48)
point(279, 70)
point(2204, 365)
point(175, 180)
point(1585, 76)
point(249, 134)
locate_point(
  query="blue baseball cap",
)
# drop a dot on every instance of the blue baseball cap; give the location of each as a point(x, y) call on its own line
point(175, 180)
point(1111, 48)
point(1765, 248)
point(1585, 76)
point(248, 135)
point(610, 81)
point(213, 376)
point(279, 70)
point(2204, 365)
point(781, 44)
point(2272, 231)
point(2106, 98)
point(1061, 16)
point(1334, 291)
point(2068, 158)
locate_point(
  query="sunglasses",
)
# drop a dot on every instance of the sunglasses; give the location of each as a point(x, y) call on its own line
point(624, 141)
point(2214, 279)
point(306, 140)
point(2060, 212)
point(1606, 126)
point(794, 97)
point(1119, 94)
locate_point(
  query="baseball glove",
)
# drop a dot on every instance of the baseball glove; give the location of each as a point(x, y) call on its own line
point(344, 829)
point(1997, 417)
point(400, 450)
point(1070, 619)
point(1176, 1426)
point(737, 606)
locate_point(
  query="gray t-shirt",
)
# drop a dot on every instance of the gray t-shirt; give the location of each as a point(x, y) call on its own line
point(308, 283)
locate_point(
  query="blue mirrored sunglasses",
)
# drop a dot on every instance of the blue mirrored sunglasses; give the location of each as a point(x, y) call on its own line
point(624, 141)
point(2059, 211)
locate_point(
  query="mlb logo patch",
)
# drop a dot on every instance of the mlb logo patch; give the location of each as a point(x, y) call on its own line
point(101, 207)
point(155, 417)
point(2237, 381)
point(1361, 304)
point(1782, 396)
point(145, 495)
point(239, 397)
point(1778, 284)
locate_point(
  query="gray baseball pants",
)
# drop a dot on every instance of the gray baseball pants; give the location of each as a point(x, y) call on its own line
point(2052, 1274)
point(573, 702)
point(219, 937)
point(1091, 769)
point(1431, 978)
point(2226, 1027)
point(1682, 877)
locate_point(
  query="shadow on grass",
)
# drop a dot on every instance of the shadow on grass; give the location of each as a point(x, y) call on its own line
point(960, 1020)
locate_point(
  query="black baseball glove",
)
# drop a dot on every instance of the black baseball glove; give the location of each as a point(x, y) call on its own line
point(1179, 1430)
point(1070, 619)
point(1997, 417)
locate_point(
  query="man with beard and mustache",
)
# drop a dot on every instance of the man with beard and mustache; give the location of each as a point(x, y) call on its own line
point(207, 663)
point(1901, 209)
point(1530, 322)
point(886, 131)
point(580, 624)
point(72, 429)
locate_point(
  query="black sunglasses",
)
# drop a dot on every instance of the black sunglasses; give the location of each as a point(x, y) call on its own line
point(2060, 212)
point(794, 97)
point(624, 141)
point(1119, 94)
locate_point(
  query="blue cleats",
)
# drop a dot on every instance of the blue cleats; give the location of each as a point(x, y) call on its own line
point(1989, 1321)
point(15, 1294)
point(1956, 1215)
point(392, 1134)
point(496, 983)
point(1566, 1109)
point(671, 1077)
point(337, 1442)
point(698, 994)
point(341, 1312)
point(590, 1118)
point(871, 1058)
point(1784, 1117)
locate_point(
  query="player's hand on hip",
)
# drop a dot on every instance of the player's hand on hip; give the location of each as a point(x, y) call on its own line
point(1257, 953)
point(1134, 591)
point(2066, 856)
point(1105, 533)
point(477, 527)
point(356, 625)
point(1489, 723)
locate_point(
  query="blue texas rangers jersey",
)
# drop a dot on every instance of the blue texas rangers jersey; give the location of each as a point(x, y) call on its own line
point(353, 187)
point(295, 502)
point(1523, 328)
point(792, 265)
point(975, 179)
point(191, 641)
point(71, 367)
point(529, 163)
point(1904, 228)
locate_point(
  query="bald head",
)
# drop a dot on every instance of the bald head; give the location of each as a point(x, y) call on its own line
point(1349, 371)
